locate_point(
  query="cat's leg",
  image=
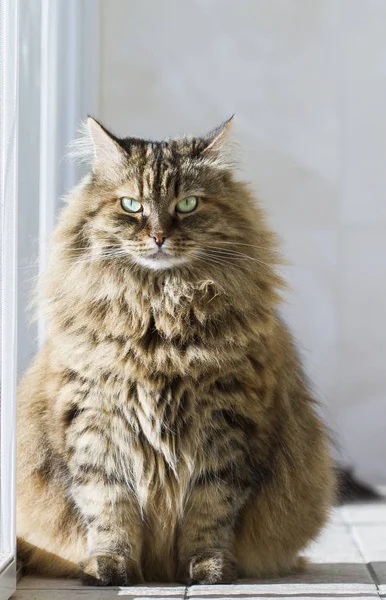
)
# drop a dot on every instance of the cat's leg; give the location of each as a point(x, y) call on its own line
point(206, 537)
point(114, 533)
point(107, 504)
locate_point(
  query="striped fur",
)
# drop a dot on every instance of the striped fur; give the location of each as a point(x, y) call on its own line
point(166, 430)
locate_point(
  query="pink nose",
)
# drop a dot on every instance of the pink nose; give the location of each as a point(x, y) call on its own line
point(159, 237)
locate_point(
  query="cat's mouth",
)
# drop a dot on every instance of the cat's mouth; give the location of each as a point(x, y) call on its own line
point(160, 259)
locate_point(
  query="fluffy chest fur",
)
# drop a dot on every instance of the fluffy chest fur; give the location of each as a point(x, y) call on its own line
point(145, 399)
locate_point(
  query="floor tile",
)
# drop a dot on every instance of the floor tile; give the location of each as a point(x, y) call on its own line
point(335, 545)
point(320, 581)
point(349, 580)
point(371, 539)
point(30, 582)
point(370, 512)
point(378, 568)
point(65, 595)
point(155, 592)
point(45, 583)
point(131, 593)
point(34, 588)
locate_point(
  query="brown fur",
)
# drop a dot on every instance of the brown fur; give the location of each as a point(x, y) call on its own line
point(166, 430)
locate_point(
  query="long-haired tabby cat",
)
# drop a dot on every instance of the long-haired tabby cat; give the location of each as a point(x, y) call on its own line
point(165, 429)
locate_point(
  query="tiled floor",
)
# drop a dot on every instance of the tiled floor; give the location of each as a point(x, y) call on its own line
point(347, 562)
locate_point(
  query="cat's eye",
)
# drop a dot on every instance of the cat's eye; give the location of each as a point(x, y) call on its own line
point(130, 205)
point(187, 205)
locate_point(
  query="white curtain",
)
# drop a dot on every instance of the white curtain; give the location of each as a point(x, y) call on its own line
point(58, 83)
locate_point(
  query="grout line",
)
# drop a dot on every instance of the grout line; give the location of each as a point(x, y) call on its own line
point(375, 578)
point(350, 527)
point(186, 593)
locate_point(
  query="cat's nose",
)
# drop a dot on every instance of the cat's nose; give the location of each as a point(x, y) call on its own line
point(159, 237)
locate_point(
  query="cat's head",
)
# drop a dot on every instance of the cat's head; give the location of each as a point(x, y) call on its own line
point(163, 205)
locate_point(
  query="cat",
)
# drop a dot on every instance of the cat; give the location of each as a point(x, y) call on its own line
point(165, 429)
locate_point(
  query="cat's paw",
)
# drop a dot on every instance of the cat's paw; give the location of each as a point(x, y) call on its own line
point(110, 569)
point(210, 566)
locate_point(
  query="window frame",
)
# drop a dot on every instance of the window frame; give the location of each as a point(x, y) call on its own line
point(8, 262)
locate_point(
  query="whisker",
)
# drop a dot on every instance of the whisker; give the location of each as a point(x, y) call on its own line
point(92, 259)
point(213, 259)
point(208, 260)
point(233, 258)
point(65, 244)
point(234, 254)
point(244, 244)
point(97, 248)
point(205, 255)
point(241, 255)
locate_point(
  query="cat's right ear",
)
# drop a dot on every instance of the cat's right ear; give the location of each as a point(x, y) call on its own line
point(98, 148)
point(107, 151)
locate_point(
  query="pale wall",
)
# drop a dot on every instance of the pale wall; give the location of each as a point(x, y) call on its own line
point(307, 81)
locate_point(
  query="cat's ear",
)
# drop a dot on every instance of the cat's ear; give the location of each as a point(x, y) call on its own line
point(96, 147)
point(216, 140)
point(106, 149)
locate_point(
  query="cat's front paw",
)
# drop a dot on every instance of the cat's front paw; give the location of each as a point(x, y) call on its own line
point(110, 569)
point(210, 566)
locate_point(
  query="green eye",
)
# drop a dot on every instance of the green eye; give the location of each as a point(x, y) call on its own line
point(130, 205)
point(187, 205)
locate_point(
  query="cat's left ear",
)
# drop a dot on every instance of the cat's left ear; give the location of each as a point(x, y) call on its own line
point(217, 138)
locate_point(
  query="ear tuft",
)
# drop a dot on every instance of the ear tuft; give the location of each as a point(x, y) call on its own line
point(96, 146)
point(82, 148)
point(218, 136)
point(106, 148)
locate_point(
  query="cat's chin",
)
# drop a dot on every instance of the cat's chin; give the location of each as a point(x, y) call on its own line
point(161, 263)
